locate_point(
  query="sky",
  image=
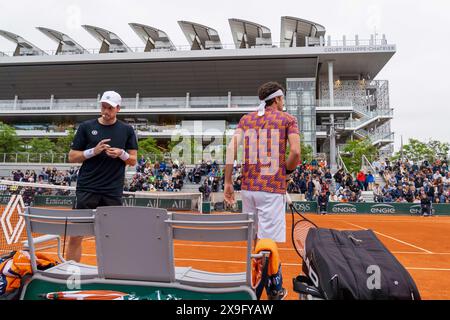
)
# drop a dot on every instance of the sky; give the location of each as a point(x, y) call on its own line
point(419, 91)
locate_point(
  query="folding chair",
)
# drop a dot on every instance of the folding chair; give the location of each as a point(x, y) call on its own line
point(133, 244)
point(214, 228)
point(53, 224)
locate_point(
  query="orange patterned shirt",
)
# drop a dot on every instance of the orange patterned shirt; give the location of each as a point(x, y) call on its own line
point(265, 139)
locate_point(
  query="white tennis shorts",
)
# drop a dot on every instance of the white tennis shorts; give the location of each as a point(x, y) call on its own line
point(270, 212)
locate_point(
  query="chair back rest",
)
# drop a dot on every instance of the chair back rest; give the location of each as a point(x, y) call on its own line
point(214, 228)
point(133, 244)
point(60, 222)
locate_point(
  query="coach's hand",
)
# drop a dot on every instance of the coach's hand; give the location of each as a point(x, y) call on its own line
point(102, 146)
point(114, 152)
point(229, 194)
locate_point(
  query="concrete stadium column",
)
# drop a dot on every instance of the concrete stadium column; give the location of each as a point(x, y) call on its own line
point(333, 165)
point(331, 82)
point(187, 99)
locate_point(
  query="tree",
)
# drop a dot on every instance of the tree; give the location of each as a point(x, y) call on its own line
point(149, 146)
point(41, 145)
point(63, 143)
point(306, 151)
point(440, 149)
point(9, 142)
point(417, 150)
point(355, 150)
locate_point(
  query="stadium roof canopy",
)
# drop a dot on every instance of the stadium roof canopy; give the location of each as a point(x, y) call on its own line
point(24, 47)
point(200, 37)
point(294, 32)
point(174, 73)
point(66, 45)
point(248, 34)
point(153, 38)
point(110, 42)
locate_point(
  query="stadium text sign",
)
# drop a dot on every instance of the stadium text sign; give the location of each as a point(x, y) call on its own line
point(356, 49)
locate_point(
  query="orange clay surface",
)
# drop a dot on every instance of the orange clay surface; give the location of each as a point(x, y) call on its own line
point(421, 244)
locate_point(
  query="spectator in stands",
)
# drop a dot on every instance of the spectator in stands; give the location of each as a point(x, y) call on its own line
point(338, 177)
point(378, 193)
point(322, 202)
point(333, 197)
point(361, 178)
point(377, 166)
point(425, 205)
point(238, 185)
point(205, 190)
point(370, 180)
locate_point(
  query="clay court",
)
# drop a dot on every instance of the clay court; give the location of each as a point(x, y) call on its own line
point(421, 244)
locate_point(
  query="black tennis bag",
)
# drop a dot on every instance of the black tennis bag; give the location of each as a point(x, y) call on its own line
point(352, 265)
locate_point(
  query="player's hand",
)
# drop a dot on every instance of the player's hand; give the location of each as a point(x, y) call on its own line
point(102, 146)
point(229, 194)
point(114, 152)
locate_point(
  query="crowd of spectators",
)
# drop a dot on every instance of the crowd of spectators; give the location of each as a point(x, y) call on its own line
point(406, 181)
point(159, 176)
point(47, 175)
point(311, 179)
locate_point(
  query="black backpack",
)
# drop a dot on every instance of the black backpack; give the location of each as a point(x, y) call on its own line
point(352, 265)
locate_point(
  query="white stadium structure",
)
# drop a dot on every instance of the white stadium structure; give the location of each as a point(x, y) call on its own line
point(331, 84)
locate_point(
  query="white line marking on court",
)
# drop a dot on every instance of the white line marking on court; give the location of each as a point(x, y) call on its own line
point(283, 249)
point(230, 247)
point(384, 235)
point(243, 262)
point(421, 253)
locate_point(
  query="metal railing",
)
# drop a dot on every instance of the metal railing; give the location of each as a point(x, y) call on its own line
point(365, 162)
point(25, 157)
point(341, 163)
point(356, 123)
point(336, 103)
point(130, 103)
point(328, 42)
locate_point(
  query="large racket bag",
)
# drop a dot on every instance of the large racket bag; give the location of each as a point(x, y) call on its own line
point(352, 265)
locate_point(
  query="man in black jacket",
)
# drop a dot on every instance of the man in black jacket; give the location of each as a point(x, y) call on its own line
point(425, 205)
point(322, 201)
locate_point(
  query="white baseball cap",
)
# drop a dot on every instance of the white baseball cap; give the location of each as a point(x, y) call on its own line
point(112, 98)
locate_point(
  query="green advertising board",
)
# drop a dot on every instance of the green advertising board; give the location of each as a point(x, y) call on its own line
point(66, 201)
point(302, 206)
point(384, 208)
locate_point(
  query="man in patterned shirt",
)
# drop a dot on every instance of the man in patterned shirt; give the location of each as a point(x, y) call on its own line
point(264, 135)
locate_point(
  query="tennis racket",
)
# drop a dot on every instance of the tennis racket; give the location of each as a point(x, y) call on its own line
point(300, 228)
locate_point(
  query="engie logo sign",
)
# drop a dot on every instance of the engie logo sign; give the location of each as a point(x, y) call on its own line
point(344, 208)
point(415, 209)
point(383, 209)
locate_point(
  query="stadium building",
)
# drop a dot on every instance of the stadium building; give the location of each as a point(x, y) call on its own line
point(331, 84)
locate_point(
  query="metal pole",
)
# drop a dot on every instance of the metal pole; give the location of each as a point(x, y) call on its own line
point(333, 165)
